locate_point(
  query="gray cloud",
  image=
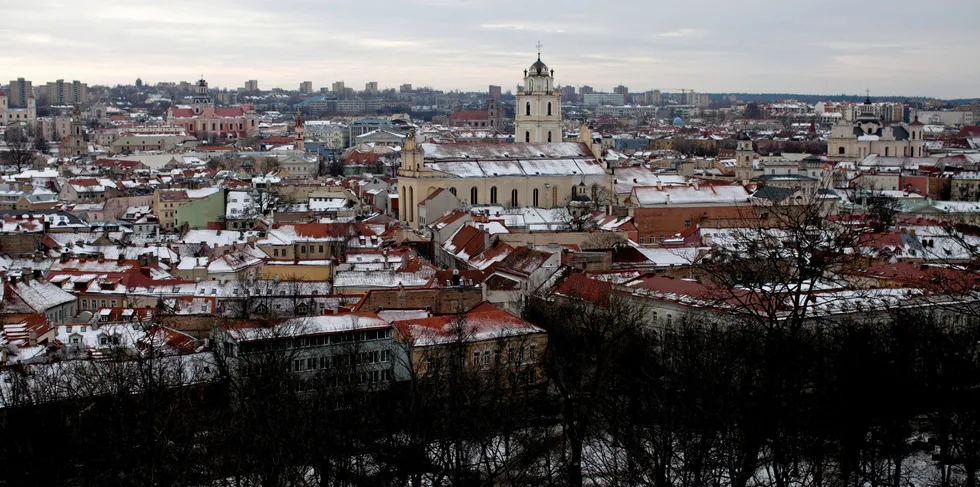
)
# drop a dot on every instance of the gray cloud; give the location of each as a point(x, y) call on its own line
point(911, 47)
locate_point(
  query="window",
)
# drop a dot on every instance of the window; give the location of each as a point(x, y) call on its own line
point(687, 223)
point(840, 150)
point(549, 136)
point(513, 198)
point(493, 195)
point(320, 249)
point(453, 191)
point(302, 249)
point(473, 195)
point(554, 196)
point(527, 109)
point(527, 136)
point(534, 197)
point(549, 110)
point(670, 319)
point(476, 358)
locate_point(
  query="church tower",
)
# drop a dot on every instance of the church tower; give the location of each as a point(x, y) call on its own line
point(538, 106)
point(743, 159)
point(299, 132)
point(201, 95)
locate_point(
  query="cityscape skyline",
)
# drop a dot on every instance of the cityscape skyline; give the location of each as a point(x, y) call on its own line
point(468, 45)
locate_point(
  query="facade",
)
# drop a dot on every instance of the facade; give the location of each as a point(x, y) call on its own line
point(484, 338)
point(872, 135)
point(301, 165)
point(511, 175)
point(538, 118)
point(204, 121)
point(350, 349)
point(600, 99)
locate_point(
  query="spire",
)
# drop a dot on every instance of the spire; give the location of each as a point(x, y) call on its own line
point(539, 50)
point(299, 118)
point(867, 99)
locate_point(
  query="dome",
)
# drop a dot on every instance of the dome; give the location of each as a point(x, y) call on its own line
point(538, 68)
point(678, 122)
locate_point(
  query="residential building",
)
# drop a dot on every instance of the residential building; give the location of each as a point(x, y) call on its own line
point(371, 87)
point(346, 349)
point(306, 87)
point(252, 86)
point(485, 338)
point(600, 99)
point(61, 93)
point(621, 90)
point(20, 92)
point(29, 294)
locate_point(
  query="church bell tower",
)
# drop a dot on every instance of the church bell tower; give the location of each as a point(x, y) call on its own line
point(538, 106)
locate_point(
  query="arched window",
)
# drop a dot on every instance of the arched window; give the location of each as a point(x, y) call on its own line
point(534, 197)
point(527, 109)
point(411, 203)
point(473, 200)
point(493, 195)
point(549, 136)
point(554, 196)
point(513, 198)
point(549, 108)
point(840, 151)
point(886, 151)
point(453, 191)
point(530, 85)
point(527, 136)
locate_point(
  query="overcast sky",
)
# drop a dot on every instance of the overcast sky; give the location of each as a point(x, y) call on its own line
point(899, 47)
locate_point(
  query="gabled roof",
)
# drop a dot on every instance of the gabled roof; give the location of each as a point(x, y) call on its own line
point(524, 261)
point(483, 322)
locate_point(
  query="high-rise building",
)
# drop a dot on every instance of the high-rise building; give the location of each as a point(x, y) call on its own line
point(654, 97)
point(306, 87)
point(338, 87)
point(20, 91)
point(405, 88)
point(252, 85)
point(568, 93)
point(585, 90)
point(371, 87)
point(538, 106)
point(621, 90)
point(495, 92)
point(61, 93)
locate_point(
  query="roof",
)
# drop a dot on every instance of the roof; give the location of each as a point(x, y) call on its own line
point(466, 115)
point(523, 261)
point(310, 325)
point(484, 151)
point(40, 296)
point(651, 196)
point(483, 322)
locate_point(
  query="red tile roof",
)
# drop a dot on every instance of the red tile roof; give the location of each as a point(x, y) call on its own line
point(467, 115)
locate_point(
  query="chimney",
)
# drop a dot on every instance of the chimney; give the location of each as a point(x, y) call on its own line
point(660, 184)
point(456, 277)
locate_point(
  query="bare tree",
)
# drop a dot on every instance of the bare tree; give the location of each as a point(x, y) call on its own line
point(19, 152)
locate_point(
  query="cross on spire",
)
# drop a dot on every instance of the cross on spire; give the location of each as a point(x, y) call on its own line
point(538, 45)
